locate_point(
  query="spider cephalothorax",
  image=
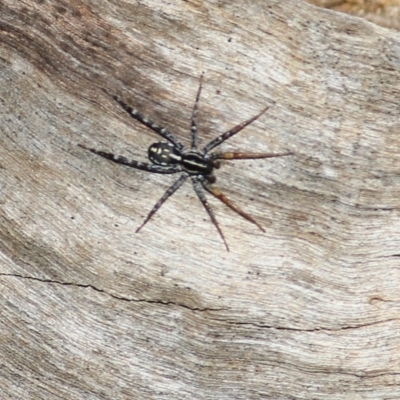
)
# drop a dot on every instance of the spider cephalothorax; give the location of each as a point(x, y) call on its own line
point(192, 162)
point(172, 157)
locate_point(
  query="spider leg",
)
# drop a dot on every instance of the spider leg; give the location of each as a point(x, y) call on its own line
point(170, 191)
point(160, 169)
point(218, 140)
point(193, 127)
point(219, 195)
point(203, 199)
point(245, 156)
point(163, 132)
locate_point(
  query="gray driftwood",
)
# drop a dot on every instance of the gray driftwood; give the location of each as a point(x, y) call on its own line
point(90, 310)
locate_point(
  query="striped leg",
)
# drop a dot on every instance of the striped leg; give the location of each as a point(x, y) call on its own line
point(193, 127)
point(160, 169)
point(245, 156)
point(165, 133)
point(219, 195)
point(170, 191)
point(225, 136)
point(203, 199)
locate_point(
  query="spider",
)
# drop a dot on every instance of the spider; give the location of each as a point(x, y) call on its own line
point(172, 157)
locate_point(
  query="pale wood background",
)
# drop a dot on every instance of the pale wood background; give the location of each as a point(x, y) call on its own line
point(91, 310)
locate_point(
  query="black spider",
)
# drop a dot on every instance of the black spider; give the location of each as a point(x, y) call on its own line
point(172, 157)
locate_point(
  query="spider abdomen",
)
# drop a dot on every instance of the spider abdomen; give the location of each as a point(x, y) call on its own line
point(164, 154)
point(195, 163)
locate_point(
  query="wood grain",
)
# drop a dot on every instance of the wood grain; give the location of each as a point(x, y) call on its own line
point(385, 13)
point(91, 310)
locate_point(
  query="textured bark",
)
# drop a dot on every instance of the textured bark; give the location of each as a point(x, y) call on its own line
point(382, 12)
point(91, 310)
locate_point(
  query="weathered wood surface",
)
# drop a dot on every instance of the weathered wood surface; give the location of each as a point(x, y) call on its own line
point(91, 310)
point(385, 13)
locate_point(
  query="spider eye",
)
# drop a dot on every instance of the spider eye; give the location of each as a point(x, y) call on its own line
point(216, 164)
point(164, 154)
point(211, 178)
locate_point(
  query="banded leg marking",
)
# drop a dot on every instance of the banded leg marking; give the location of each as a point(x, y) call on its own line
point(225, 136)
point(163, 132)
point(159, 169)
point(170, 191)
point(245, 156)
point(193, 126)
point(203, 199)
